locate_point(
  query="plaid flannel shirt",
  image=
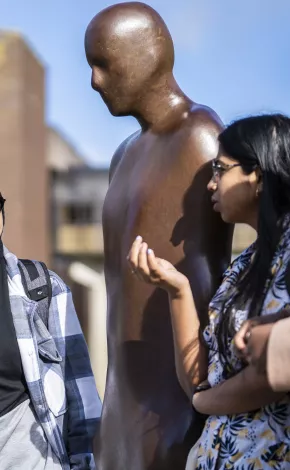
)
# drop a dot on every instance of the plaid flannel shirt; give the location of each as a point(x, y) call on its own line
point(57, 369)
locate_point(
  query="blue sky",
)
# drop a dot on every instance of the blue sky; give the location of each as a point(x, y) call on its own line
point(231, 55)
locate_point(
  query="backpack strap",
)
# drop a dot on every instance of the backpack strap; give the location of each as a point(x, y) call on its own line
point(37, 285)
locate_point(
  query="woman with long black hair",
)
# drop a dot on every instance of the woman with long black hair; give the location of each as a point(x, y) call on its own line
point(248, 425)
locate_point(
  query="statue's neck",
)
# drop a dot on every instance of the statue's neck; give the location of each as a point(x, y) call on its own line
point(163, 107)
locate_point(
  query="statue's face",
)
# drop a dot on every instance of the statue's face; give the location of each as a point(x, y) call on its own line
point(119, 73)
point(124, 55)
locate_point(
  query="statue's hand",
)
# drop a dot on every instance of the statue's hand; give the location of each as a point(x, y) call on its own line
point(159, 272)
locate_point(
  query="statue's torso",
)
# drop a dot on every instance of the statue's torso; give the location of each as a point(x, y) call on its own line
point(145, 413)
point(145, 197)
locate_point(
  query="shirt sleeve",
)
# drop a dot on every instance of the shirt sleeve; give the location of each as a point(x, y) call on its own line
point(278, 356)
point(84, 405)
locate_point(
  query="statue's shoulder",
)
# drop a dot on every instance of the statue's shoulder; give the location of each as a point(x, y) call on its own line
point(120, 152)
point(203, 127)
point(201, 116)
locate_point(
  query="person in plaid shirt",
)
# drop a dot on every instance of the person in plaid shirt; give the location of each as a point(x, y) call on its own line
point(49, 406)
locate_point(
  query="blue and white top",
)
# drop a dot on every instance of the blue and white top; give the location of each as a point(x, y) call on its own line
point(256, 440)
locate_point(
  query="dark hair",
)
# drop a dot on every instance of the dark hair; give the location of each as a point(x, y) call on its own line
point(259, 142)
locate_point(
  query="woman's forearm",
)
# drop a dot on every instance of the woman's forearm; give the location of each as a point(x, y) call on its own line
point(190, 353)
point(247, 391)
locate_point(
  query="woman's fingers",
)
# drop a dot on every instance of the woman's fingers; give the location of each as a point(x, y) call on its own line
point(153, 264)
point(143, 262)
point(143, 268)
point(134, 253)
point(240, 339)
point(137, 259)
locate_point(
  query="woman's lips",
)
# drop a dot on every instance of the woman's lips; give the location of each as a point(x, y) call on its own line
point(215, 205)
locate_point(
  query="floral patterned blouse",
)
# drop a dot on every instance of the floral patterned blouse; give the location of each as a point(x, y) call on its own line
point(257, 440)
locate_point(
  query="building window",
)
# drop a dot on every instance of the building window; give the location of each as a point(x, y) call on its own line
point(78, 214)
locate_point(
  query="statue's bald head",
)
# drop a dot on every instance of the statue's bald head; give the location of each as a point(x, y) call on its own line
point(129, 48)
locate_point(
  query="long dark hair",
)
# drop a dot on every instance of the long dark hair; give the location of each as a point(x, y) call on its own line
point(259, 142)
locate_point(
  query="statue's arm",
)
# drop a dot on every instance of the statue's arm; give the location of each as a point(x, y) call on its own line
point(117, 157)
point(115, 161)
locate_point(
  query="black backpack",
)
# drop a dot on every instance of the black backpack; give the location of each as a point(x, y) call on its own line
point(37, 285)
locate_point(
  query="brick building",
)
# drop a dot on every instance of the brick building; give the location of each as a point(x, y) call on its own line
point(24, 178)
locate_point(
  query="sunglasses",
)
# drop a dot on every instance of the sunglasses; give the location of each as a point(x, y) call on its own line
point(219, 169)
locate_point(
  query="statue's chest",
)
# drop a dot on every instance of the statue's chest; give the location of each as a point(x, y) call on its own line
point(140, 181)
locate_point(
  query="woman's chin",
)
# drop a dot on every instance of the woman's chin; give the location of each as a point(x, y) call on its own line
point(226, 218)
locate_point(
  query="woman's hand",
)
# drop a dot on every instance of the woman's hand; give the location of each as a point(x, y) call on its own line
point(159, 272)
point(252, 339)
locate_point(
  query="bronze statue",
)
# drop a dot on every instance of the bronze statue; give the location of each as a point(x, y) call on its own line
point(157, 189)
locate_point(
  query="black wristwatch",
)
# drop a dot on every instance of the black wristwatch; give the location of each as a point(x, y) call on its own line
point(201, 388)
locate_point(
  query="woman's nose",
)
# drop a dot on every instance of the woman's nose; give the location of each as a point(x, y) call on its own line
point(212, 186)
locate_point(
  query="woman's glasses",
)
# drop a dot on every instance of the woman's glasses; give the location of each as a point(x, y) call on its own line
point(219, 169)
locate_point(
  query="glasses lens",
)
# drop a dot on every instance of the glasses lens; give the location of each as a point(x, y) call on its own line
point(217, 169)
